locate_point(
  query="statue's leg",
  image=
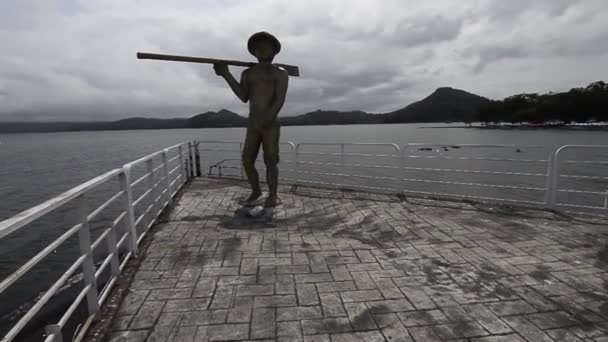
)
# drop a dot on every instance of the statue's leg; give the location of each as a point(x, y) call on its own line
point(250, 154)
point(270, 143)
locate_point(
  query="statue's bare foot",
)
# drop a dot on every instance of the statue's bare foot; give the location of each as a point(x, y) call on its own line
point(253, 197)
point(271, 201)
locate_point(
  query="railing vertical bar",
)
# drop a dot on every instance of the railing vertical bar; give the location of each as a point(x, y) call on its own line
point(150, 170)
point(295, 164)
point(240, 157)
point(167, 179)
point(189, 163)
point(197, 159)
point(549, 180)
point(113, 249)
point(125, 184)
point(182, 167)
point(555, 177)
point(88, 266)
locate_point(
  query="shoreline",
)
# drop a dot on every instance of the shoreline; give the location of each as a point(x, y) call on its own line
point(531, 127)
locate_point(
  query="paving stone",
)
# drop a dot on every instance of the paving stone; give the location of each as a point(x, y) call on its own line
point(204, 317)
point(392, 327)
point(313, 278)
point(274, 301)
point(147, 315)
point(501, 338)
point(332, 305)
point(285, 284)
point(241, 310)
point(289, 329)
point(363, 280)
point(191, 304)
point(563, 335)
point(360, 316)
point(552, 320)
point(336, 286)
point(205, 287)
point(510, 308)
point(132, 302)
point(418, 298)
point(487, 319)
point(307, 294)
point(422, 317)
point(263, 324)
point(298, 313)
point(527, 329)
point(360, 296)
point(366, 336)
point(255, 290)
point(163, 294)
point(325, 326)
point(339, 273)
point(223, 297)
point(424, 334)
point(227, 332)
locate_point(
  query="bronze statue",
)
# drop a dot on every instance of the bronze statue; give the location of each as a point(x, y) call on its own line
point(264, 85)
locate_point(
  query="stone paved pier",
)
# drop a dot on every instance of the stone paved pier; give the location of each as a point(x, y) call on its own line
point(348, 266)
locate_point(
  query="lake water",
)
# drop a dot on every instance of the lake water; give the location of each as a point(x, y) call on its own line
point(36, 167)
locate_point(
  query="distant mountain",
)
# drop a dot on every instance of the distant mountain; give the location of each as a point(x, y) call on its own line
point(222, 118)
point(444, 104)
point(330, 117)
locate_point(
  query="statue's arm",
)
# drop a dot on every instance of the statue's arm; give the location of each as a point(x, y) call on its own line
point(239, 88)
point(280, 92)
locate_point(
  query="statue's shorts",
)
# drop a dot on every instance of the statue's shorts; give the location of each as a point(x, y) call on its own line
point(268, 138)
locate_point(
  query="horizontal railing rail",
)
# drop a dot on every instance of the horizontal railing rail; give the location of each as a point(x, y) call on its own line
point(175, 167)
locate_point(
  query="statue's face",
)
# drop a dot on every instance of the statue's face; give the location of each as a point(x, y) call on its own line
point(264, 50)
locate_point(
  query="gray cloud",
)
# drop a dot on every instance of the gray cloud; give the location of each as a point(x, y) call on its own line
point(75, 59)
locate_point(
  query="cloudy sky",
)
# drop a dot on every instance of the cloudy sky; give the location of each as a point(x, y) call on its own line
point(75, 59)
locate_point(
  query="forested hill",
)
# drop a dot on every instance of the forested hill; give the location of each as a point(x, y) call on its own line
point(443, 105)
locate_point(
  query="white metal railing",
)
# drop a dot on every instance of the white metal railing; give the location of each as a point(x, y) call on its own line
point(535, 178)
point(174, 170)
point(559, 162)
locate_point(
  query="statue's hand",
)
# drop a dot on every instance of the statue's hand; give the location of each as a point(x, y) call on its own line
point(221, 69)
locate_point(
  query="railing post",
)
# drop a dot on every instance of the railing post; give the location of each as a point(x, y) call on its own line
point(88, 267)
point(54, 329)
point(549, 181)
point(150, 171)
point(190, 168)
point(606, 200)
point(241, 162)
point(295, 164)
point(555, 178)
point(402, 169)
point(125, 185)
point(342, 154)
point(182, 167)
point(167, 178)
point(197, 159)
point(111, 242)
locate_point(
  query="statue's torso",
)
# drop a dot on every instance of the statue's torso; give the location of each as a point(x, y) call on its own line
point(261, 85)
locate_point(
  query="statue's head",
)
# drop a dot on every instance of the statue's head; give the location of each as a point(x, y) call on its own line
point(264, 46)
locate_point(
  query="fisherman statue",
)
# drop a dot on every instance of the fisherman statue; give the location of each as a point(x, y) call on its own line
point(264, 85)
